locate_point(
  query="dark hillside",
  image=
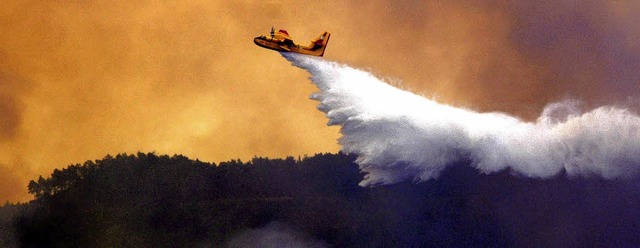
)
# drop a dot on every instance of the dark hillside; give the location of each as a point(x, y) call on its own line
point(146, 200)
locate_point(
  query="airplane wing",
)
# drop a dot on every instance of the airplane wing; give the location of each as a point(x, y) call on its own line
point(284, 34)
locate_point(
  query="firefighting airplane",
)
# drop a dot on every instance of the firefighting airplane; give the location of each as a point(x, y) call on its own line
point(281, 41)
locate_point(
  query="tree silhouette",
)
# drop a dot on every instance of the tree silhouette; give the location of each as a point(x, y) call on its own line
point(149, 200)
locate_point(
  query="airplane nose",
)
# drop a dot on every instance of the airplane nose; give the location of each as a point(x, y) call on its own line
point(259, 41)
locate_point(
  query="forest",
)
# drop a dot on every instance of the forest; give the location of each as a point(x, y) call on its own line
point(150, 200)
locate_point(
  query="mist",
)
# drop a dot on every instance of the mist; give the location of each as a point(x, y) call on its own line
point(274, 234)
point(399, 135)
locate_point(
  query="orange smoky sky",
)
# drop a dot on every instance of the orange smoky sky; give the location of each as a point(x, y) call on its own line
point(82, 79)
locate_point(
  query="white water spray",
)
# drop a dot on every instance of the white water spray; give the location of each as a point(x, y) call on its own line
point(398, 135)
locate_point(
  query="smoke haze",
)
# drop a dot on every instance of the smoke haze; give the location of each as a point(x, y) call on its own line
point(273, 235)
point(399, 135)
point(80, 79)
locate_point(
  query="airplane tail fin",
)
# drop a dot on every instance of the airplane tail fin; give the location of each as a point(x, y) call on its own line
point(319, 44)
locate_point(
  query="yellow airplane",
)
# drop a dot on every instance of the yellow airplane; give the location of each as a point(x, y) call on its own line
point(281, 41)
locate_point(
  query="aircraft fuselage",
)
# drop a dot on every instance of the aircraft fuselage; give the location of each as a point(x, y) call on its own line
point(278, 45)
point(281, 41)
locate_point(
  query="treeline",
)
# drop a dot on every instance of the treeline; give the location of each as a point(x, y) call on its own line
point(146, 200)
point(149, 200)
